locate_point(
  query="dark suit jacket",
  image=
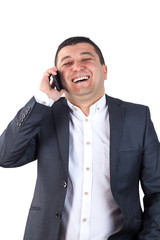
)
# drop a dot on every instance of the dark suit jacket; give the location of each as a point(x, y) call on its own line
point(40, 132)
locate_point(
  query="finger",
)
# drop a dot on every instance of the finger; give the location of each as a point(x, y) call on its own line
point(51, 81)
point(51, 71)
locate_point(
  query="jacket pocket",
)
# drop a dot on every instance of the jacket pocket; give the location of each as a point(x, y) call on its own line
point(35, 208)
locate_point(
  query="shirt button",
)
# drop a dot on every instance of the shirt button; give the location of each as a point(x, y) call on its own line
point(88, 143)
point(86, 193)
point(86, 119)
point(87, 169)
point(84, 220)
point(44, 103)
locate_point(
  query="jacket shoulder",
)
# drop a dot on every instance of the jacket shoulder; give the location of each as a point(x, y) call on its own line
point(125, 104)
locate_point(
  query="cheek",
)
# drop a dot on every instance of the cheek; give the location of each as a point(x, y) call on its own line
point(65, 80)
point(63, 75)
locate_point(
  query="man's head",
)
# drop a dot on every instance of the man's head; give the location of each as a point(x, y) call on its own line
point(76, 40)
point(82, 70)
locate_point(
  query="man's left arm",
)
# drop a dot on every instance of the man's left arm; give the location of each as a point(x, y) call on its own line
point(150, 181)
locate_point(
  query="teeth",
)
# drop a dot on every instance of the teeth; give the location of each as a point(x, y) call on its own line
point(80, 79)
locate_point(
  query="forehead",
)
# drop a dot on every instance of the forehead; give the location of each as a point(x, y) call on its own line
point(76, 50)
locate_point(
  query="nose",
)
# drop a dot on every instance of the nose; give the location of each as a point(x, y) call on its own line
point(77, 66)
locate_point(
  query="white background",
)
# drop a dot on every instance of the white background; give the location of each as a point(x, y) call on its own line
point(127, 33)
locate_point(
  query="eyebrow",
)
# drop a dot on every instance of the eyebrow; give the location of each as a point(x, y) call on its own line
point(82, 53)
point(65, 58)
point(87, 53)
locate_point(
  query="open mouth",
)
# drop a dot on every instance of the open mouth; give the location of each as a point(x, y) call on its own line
point(80, 79)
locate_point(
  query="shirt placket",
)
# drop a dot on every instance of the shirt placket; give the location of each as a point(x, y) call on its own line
point(87, 181)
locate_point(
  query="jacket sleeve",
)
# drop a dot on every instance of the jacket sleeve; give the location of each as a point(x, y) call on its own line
point(18, 143)
point(150, 182)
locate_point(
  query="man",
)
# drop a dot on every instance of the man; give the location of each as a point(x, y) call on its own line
point(92, 151)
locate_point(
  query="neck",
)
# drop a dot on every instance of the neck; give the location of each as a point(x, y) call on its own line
point(84, 105)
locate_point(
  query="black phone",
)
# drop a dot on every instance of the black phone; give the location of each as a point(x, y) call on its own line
point(57, 81)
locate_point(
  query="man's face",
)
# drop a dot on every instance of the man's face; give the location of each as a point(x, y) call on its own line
point(81, 71)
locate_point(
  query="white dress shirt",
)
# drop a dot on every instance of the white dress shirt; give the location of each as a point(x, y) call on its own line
point(90, 212)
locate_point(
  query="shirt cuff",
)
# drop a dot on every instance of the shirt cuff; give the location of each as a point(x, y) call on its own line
point(43, 98)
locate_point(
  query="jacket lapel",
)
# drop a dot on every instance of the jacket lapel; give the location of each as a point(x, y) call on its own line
point(116, 118)
point(61, 117)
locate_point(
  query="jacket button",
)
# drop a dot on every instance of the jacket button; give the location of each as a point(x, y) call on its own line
point(21, 120)
point(27, 111)
point(58, 215)
point(19, 124)
point(23, 116)
point(28, 108)
point(64, 184)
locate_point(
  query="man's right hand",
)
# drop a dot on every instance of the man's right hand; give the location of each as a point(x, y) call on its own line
point(46, 87)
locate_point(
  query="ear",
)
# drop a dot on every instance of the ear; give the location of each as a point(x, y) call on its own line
point(105, 71)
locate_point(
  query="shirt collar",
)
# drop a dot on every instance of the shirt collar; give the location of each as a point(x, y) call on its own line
point(99, 106)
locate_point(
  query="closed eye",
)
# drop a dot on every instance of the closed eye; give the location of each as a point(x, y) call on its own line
point(86, 59)
point(67, 63)
point(82, 60)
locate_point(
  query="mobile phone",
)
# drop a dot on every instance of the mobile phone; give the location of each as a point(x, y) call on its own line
point(57, 81)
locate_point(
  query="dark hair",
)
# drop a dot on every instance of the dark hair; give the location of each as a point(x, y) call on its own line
point(76, 40)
